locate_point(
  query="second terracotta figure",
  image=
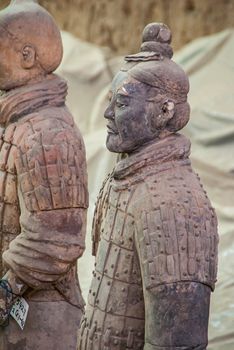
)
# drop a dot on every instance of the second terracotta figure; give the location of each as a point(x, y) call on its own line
point(154, 230)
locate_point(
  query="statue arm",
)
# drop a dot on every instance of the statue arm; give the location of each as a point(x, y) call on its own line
point(176, 296)
point(48, 246)
point(52, 187)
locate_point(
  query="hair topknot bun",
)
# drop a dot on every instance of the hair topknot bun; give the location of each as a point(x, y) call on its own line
point(157, 38)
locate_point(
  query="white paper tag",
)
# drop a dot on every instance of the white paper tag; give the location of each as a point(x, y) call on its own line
point(19, 311)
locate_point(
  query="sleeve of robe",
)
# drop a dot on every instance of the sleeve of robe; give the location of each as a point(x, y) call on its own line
point(52, 188)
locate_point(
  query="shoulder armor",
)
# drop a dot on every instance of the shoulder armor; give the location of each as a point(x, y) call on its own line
point(177, 245)
point(51, 166)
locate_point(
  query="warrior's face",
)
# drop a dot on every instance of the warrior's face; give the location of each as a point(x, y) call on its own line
point(134, 119)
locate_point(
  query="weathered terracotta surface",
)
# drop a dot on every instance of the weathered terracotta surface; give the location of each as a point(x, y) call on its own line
point(43, 184)
point(154, 230)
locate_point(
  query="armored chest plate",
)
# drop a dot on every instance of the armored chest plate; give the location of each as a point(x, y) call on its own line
point(115, 311)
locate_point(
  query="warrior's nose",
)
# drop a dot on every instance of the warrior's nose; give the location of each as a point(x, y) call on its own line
point(109, 113)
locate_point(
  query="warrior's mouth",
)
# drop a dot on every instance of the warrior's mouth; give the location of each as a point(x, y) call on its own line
point(111, 130)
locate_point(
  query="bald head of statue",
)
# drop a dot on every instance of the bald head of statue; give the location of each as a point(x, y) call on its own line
point(30, 44)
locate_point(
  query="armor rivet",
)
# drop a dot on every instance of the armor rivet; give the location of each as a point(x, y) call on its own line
point(117, 332)
point(185, 274)
point(116, 342)
point(94, 294)
point(125, 271)
point(117, 274)
point(108, 283)
point(112, 266)
point(183, 248)
point(105, 271)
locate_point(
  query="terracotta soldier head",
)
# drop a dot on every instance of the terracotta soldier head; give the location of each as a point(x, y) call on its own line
point(148, 95)
point(30, 44)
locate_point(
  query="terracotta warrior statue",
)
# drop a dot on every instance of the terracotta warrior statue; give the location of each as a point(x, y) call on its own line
point(154, 230)
point(43, 185)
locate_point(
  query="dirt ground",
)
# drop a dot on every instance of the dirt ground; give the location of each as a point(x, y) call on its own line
point(118, 24)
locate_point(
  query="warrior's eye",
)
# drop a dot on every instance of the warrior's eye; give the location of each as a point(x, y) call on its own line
point(120, 104)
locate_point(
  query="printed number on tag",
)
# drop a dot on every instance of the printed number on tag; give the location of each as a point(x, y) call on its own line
point(19, 311)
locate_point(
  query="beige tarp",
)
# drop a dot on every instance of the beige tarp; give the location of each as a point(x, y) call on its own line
point(210, 64)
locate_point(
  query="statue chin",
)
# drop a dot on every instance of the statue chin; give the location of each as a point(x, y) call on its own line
point(112, 145)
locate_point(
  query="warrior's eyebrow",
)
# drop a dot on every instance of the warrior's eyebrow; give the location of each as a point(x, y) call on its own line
point(122, 91)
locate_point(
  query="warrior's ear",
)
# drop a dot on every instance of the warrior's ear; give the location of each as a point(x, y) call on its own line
point(168, 110)
point(165, 113)
point(28, 57)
